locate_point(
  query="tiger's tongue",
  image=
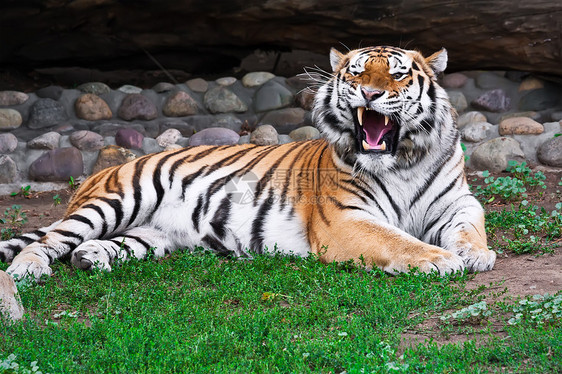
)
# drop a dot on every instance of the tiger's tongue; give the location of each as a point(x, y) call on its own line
point(374, 127)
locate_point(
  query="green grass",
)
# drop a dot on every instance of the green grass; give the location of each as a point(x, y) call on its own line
point(200, 313)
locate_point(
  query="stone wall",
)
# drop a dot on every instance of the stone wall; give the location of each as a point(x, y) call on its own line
point(54, 133)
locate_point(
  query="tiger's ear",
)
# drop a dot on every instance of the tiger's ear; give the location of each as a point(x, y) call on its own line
point(438, 61)
point(335, 58)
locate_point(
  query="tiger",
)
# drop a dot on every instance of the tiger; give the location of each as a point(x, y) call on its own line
point(383, 187)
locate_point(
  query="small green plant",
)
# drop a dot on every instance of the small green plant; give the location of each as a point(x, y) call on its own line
point(524, 173)
point(72, 183)
point(14, 218)
point(9, 365)
point(24, 191)
point(56, 200)
point(537, 310)
point(466, 157)
point(473, 314)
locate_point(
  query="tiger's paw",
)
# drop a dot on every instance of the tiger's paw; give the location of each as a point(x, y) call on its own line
point(479, 260)
point(29, 268)
point(436, 259)
point(90, 255)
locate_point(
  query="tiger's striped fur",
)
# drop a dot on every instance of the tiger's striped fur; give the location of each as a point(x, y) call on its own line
point(347, 196)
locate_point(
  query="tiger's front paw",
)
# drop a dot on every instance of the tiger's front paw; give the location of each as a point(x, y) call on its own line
point(30, 268)
point(89, 256)
point(442, 262)
point(479, 259)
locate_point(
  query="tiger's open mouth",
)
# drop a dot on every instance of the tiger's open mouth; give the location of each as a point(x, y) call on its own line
point(376, 133)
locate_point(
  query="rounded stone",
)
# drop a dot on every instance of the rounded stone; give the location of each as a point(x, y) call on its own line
point(520, 126)
point(540, 99)
point(96, 88)
point(168, 137)
point(476, 132)
point(46, 113)
point(150, 145)
point(197, 85)
point(490, 80)
point(8, 170)
point(8, 143)
point(272, 95)
point(179, 104)
point(494, 154)
point(86, 140)
point(57, 165)
point(222, 100)
point(226, 81)
point(458, 100)
point(556, 116)
point(10, 303)
point(305, 133)
point(10, 119)
point(129, 89)
point(531, 83)
point(454, 80)
point(51, 92)
point(470, 117)
point(244, 139)
point(256, 78)
point(112, 155)
point(493, 101)
point(13, 98)
point(214, 136)
point(129, 138)
point(163, 87)
point(92, 108)
point(285, 120)
point(137, 106)
point(530, 114)
point(550, 152)
point(264, 135)
point(184, 128)
point(49, 140)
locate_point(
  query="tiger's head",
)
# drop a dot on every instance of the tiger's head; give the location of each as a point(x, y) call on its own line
point(382, 108)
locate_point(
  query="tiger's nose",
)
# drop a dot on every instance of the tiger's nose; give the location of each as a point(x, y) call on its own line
point(371, 94)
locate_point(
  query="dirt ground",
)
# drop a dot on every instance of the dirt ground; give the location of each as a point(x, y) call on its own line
point(521, 274)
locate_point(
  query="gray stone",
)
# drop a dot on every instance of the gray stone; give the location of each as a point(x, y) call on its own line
point(51, 92)
point(112, 155)
point(92, 108)
point(470, 117)
point(226, 81)
point(284, 139)
point(458, 101)
point(272, 95)
point(454, 80)
point(494, 154)
point(8, 143)
point(540, 99)
point(490, 80)
point(86, 140)
point(214, 136)
point(305, 133)
point(8, 170)
point(168, 137)
point(137, 106)
point(244, 139)
point(129, 138)
point(163, 87)
point(256, 78)
point(150, 145)
point(10, 303)
point(8, 98)
point(197, 85)
point(493, 101)
point(283, 117)
point(222, 100)
point(129, 89)
point(57, 165)
point(530, 114)
point(550, 152)
point(49, 140)
point(556, 116)
point(476, 132)
point(64, 141)
point(179, 104)
point(264, 135)
point(96, 88)
point(10, 119)
point(46, 113)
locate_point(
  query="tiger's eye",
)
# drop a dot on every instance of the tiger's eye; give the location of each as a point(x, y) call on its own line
point(397, 76)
